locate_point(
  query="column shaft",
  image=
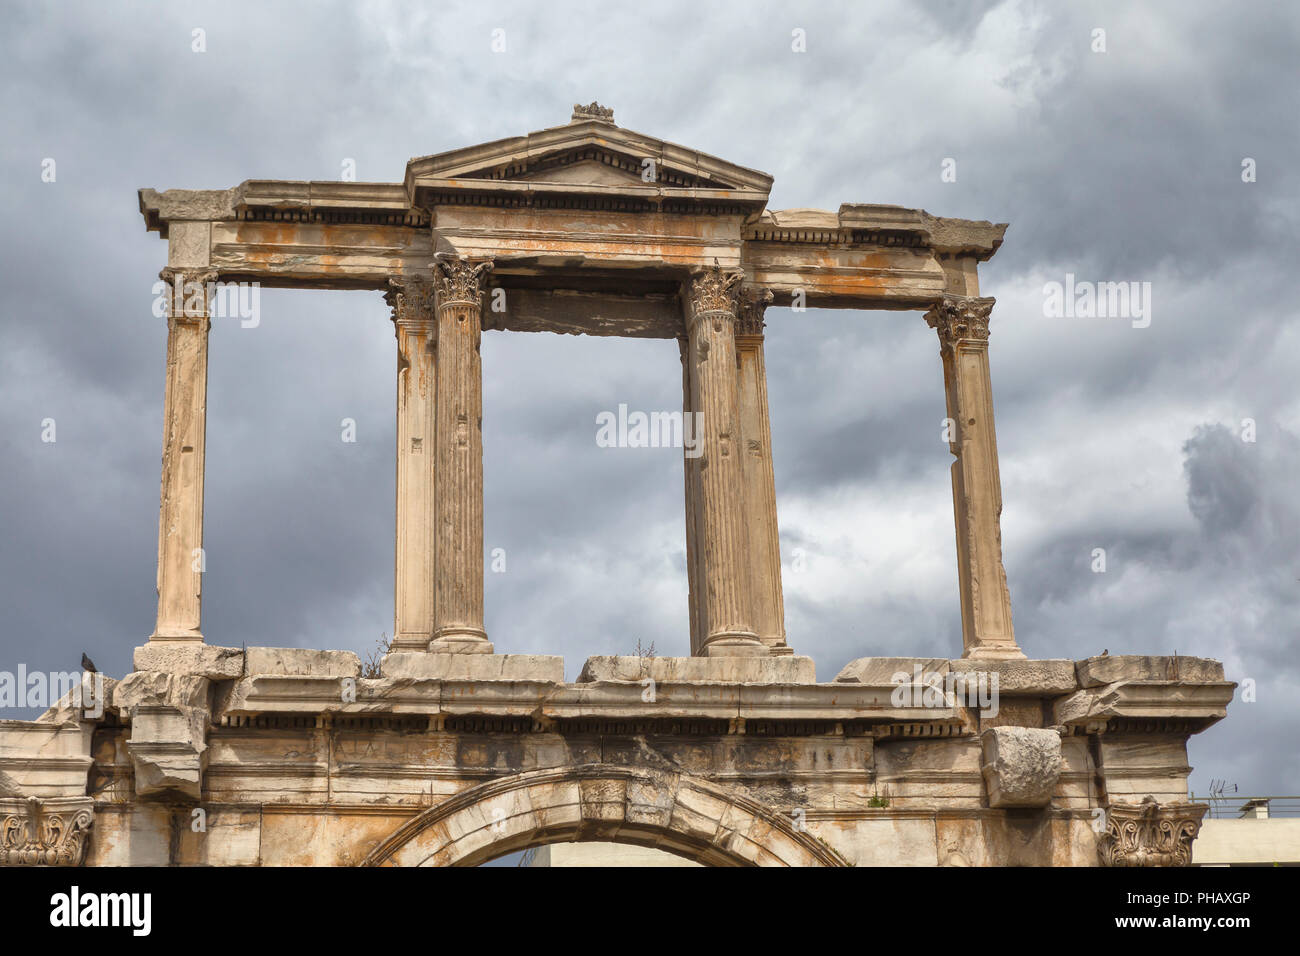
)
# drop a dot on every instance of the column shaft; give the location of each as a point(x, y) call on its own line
point(963, 326)
point(412, 302)
point(728, 624)
point(458, 597)
point(691, 436)
point(180, 513)
point(764, 550)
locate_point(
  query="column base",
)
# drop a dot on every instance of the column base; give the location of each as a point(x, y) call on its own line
point(172, 633)
point(735, 645)
point(460, 640)
point(413, 641)
point(994, 652)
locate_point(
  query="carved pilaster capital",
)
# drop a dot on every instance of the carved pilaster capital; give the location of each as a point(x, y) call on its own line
point(1150, 834)
point(960, 318)
point(714, 291)
point(34, 832)
point(752, 307)
point(188, 301)
point(458, 280)
point(412, 300)
point(170, 274)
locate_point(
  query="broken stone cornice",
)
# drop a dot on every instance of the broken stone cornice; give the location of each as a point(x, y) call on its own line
point(198, 205)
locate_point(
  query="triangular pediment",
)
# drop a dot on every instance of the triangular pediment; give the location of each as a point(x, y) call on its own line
point(581, 170)
point(600, 164)
point(589, 152)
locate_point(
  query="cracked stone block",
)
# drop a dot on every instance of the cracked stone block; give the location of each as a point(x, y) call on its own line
point(199, 660)
point(884, 671)
point(302, 662)
point(785, 669)
point(1045, 678)
point(423, 666)
point(1021, 766)
point(1122, 668)
point(169, 717)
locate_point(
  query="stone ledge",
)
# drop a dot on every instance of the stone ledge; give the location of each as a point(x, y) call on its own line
point(1200, 703)
point(44, 759)
point(1046, 678)
point(1016, 677)
point(302, 662)
point(780, 669)
point(419, 665)
point(231, 663)
point(1100, 671)
point(881, 671)
point(270, 694)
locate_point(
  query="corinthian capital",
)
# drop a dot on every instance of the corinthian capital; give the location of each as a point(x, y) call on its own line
point(412, 300)
point(960, 318)
point(202, 276)
point(40, 833)
point(458, 280)
point(188, 301)
point(753, 306)
point(1149, 834)
point(715, 290)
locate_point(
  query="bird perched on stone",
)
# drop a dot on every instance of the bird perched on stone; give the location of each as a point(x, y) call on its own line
point(88, 665)
point(1104, 652)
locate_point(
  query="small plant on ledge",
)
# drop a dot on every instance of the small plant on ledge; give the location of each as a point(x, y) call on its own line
point(370, 666)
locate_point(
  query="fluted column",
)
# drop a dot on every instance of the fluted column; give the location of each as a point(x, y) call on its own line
point(458, 479)
point(691, 476)
point(180, 515)
point(412, 302)
point(963, 326)
point(727, 628)
point(764, 550)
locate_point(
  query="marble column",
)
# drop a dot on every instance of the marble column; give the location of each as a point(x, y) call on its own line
point(962, 323)
point(412, 302)
point(691, 481)
point(181, 560)
point(764, 552)
point(458, 476)
point(727, 626)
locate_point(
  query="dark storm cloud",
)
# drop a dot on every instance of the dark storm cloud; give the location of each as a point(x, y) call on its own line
point(1123, 165)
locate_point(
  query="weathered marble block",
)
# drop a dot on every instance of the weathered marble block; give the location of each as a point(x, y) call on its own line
point(1021, 766)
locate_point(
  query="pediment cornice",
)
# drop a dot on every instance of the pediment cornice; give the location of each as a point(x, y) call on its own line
point(583, 160)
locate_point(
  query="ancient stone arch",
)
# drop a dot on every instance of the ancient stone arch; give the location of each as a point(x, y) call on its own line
point(666, 810)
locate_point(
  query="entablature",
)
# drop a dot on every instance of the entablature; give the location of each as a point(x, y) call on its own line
point(570, 204)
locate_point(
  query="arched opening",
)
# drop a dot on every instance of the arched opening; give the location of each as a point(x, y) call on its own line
point(592, 856)
point(669, 811)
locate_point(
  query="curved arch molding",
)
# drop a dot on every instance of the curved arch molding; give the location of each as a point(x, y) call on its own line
point(595, 802)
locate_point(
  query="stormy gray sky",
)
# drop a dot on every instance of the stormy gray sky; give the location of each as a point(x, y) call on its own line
point(1122, 165)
